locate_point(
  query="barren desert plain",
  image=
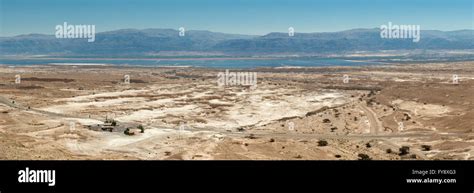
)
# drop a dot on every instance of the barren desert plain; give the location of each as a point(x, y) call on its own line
point(409, 111)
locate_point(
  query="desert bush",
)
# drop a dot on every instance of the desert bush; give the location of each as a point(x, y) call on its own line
point(127, 132)
point(426, 147)
point(251, 136)
point(322, 143)
point(363, 156)
point(142, 130)
point(404, 150)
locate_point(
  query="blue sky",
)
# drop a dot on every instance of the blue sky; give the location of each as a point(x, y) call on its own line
point(233, 16)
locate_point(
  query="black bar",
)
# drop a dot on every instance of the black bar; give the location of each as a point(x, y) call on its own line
point(237, 176)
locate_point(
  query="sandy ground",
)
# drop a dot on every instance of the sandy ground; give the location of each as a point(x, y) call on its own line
point(294, 113)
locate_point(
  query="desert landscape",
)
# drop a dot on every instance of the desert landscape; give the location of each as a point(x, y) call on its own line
point(381, 112)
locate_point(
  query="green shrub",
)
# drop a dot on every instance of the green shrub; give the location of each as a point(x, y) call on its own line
point(404, 150)
point(426, 147)
point(142, 130)
point(364, 157)
point(322, 143)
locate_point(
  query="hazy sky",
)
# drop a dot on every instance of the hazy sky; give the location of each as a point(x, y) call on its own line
point(233, 16)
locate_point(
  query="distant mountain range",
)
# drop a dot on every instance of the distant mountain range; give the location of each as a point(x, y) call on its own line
point(153, 41)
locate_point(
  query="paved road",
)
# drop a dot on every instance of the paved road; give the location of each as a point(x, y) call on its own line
point(374, 123)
